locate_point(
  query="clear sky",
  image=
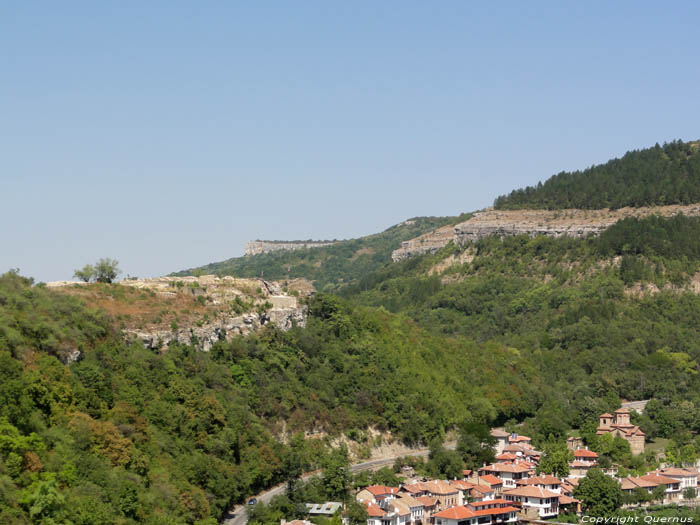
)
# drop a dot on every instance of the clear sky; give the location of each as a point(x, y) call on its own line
point(166, 134)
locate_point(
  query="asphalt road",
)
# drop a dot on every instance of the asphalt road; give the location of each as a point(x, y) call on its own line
point(238, 516)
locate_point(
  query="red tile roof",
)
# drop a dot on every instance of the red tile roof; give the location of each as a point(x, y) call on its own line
point(380, 490)
point(499, 501)
point(460, 513)
point(428, 501)
point(490, 479)
point(506, 467)
point(681, 472)
point(566, 500)
point(531, 492)
point(542, 479)
point(374, 511)
point(583, 453)
point(655, 477)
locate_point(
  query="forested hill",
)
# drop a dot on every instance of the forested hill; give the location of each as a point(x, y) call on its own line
point(127, 435)
point(668, 174)
point(342, 262)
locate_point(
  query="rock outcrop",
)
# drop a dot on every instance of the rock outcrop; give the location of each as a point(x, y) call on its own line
point(553, 223)
point(194, 310)
point(258, 247)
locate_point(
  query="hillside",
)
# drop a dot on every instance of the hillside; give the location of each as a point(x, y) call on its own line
point(613, 316)
point(124, 434)
point(164, 401)
point(327, 266)
point(576, 223)
point(660, 175)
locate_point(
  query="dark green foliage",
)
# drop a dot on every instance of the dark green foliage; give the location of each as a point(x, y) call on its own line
point(601, 494)
point(475, 444)
point(328, 266)
point(668, 174)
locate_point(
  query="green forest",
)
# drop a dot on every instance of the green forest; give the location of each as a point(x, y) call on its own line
point(668, 174)
point(539, 335)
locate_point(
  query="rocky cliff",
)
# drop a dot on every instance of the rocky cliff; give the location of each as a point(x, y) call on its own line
point(258, 247)
point(554, 223)
point(193, 310)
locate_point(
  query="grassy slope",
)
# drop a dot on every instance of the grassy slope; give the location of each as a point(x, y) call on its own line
point(343, 262)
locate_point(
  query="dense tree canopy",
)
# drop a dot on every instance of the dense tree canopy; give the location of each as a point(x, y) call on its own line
point(668, 174)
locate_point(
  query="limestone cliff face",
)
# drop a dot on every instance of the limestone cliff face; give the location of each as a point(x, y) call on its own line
point(553, 223)
point(258, 247)
point(194, 310)
point(205, 336)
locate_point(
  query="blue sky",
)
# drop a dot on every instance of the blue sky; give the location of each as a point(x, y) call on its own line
point(166, 134)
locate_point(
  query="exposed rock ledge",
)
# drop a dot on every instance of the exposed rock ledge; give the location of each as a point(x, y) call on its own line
point(194, 310)
point(205, 336)
point(553, 223)
point(258, 247)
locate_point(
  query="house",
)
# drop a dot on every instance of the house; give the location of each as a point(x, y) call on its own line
point(482, 493)
point(429, 504)
point(515, 439)
point(470, 515)
point(506, 457)
point(508, 473)
point(568, 503)
point(673, 486)
point(586, 456)
point(323, 509)
point(415, 489)
point(501, 439)
point(464, 487)
point(584, 460)
point(574, 443)
point(381, 492)
point(398, 512)
point(523, 451)
point(537, 502)
point(649, 482)
point(688, 477)
point(296, 522)
point(544, 481)
point(375, 514)
point(415, 507)
point(491, 481)
point(618, 424)
point(447, 495)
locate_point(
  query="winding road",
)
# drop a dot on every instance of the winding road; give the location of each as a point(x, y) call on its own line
point(238, 516)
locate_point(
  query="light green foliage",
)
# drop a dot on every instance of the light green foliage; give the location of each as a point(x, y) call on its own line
point(106, 270)
point(555, 459)
point(86, 274)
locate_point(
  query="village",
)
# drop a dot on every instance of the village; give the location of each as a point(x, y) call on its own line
point(510, 490)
